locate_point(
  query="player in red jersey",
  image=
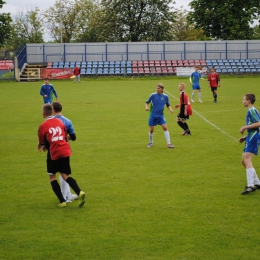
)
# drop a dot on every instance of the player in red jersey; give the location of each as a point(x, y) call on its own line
point(214, 83)
point(53, 132)
point(185, 110)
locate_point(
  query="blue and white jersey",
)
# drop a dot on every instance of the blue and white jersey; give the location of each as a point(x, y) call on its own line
point(252, 117)
point(195, 78)
point(68, 124)
point(49, 91)
point(158, 101)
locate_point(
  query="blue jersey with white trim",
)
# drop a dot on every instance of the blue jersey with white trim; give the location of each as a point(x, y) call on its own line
point(195, 77)
point(252, 117)
point(158, 101)
point(49, 91)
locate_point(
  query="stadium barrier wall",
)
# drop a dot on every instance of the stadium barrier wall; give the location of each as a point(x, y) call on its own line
point(67, 52)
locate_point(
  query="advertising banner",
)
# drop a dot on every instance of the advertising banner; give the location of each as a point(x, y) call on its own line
point(56, 73)
point(6, 64)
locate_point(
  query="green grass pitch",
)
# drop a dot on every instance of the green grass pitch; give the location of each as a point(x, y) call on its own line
point(159, 203)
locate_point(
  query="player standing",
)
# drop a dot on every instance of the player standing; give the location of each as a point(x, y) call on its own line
point(194, 81)
point(47, 90)
point(185, 110)
point(214, 83)
point(252, 143)
point(158, 100)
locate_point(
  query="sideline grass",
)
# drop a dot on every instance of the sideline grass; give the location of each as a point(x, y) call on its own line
point(158, 203)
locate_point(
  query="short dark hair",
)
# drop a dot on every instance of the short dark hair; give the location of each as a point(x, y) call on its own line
point(46, 78)
point(47, 109)
point(57, 106)
point(250, 97)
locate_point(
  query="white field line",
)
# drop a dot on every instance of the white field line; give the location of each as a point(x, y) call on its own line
point(206, 120)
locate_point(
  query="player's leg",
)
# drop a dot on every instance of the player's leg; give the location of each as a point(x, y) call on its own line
point(56, 188)
point(179, 122)
point(167, 135)
point(199, 95)
point(151, 124)
point(250, 172)
point(215, 96)
point(51, 170)
point(65, 190)
point(73, 184)
point(186, 127)
point(193, 94)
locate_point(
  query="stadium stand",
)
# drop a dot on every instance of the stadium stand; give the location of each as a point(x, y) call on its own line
point(158, 67)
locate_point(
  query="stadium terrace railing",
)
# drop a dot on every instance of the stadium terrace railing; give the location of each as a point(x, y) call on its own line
point(43, 53)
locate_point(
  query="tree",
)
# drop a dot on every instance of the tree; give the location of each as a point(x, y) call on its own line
point(224, 19)
point(27, 27)
point(183, 31)
point(88, 22)
point(5, 26)
point(136, 20)
point(68, 21)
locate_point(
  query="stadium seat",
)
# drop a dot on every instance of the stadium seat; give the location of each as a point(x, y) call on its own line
point(253, 70)
point(49, 65)
point(224, 71)
point(241, 70)
point(253, 60)
point(218, 70)
point(88, 72)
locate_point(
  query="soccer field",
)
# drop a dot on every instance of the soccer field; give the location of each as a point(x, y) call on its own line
point(141, 203)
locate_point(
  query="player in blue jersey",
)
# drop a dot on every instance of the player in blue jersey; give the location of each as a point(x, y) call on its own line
point(251, 142)
point(194, 81)
point(65, 188)
point(158, 100)
point(47, 90)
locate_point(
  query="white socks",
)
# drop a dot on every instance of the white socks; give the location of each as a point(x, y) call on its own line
point(65, 188)
point(252, 177)
point(150, 137)
point(167, 136)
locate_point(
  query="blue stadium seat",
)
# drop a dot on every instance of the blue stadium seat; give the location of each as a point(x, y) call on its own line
point(253, 70)
point(253, 60)
point(230, 61)
point(88, 72)
point(224, 70)
point(241, 70)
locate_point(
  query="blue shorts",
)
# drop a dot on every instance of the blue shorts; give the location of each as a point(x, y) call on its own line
point(153, 121)
point(195, 87)
point(252, 144)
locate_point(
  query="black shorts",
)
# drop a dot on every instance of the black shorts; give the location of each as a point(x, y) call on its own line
point(61, 165)
point(214, 88)
point(181, 116)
